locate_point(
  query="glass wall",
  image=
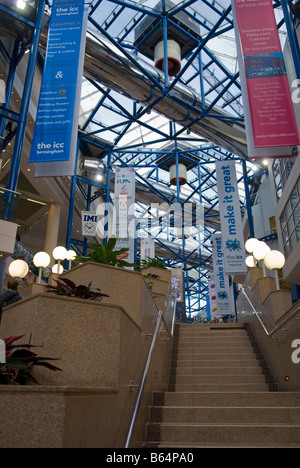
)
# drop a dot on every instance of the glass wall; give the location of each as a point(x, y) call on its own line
point(290, 221)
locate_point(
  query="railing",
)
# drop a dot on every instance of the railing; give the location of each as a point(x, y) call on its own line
point(160, 318)
point(279, 326)
point(8, 203)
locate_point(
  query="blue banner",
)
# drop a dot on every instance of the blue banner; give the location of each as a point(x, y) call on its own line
point(56, 123)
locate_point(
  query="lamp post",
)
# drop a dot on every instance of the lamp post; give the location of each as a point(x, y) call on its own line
point(59, 254)
point(259, 253)
point(18, 269)
point(41, 260)
point(275, 260)
point(251, 244)
point(71, 254)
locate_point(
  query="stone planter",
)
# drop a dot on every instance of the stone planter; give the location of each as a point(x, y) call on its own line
point(84, 334)
point(164, 275)
point(125, 288)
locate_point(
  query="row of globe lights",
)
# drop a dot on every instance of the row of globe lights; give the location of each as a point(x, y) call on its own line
point(19, 268)
point(272, 259)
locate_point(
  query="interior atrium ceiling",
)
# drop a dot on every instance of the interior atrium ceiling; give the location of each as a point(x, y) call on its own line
point(135, 115)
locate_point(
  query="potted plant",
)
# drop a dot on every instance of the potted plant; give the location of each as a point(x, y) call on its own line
point(107, 255)
point(108, 269)
point(19, 362)
point(66, 287)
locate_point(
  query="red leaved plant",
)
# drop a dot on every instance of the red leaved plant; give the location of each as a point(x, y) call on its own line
point(19, 362)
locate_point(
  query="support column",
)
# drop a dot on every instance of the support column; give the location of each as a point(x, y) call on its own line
point(52, 230)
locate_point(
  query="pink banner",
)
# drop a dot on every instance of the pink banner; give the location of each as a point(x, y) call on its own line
point(271, 107)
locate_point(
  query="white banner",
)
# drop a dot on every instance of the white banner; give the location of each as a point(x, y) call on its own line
point(125, 210)
point(89, 221)
point(223, 294)
point(231, 220)
point(212, 297)
point(147, 248)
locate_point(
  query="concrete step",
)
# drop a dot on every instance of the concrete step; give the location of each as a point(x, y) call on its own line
point(217, 362)
point(222, 356)
point(221, 415)
point(219, 434)
point(214, 339)
point(247, 387)
point(208, 347)
point(229, 433)
point(217, 370)
point(227, 399)
point(216, 379)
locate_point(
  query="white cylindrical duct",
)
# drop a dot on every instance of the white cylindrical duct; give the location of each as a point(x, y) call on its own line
point(182, 175)
point(174, 57)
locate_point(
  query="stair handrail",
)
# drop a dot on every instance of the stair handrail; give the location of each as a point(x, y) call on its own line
point(278, 327)
point(142, 386)
point(160, 318)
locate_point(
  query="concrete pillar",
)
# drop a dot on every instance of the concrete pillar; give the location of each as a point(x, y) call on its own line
point(52, 230)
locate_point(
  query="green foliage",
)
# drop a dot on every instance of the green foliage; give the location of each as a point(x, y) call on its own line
point(20, 361)
point(66, 287)
point(152, 262)
point(106, 255)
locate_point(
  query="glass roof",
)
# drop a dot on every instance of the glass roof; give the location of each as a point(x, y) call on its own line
point(139, 135)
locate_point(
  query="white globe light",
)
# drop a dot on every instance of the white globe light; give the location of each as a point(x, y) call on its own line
point(71, 254)
point(250, 262)
point(59, 253)
point(274, 260)
point(41, 260)
point(18, 269)
point(261, 250)
point(57, 269)
point(251, 244)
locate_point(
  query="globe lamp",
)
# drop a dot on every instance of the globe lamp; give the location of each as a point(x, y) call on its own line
point(260, 252)
point(71, 255)
point(250, 261)
point(18, 269)
point(275, 260)
point(41, 260)
point(251, 244)
point(59, 254)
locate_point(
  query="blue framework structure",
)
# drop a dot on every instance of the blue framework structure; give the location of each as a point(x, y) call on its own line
point(127, 132)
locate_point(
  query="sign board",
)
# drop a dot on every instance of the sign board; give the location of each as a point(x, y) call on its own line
point(89, 221)
point(223, 293)
point(231, 220)
point(267, 88)
point(54, 145)
point(125, 210)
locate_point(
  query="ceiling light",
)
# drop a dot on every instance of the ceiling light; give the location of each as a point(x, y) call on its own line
point(21, 4)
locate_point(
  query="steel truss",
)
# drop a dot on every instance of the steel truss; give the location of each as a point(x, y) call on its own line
point(129, 133)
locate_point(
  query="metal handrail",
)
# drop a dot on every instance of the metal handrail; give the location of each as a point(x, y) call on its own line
point(145, 373)
point(160, 318)
point(278, 327)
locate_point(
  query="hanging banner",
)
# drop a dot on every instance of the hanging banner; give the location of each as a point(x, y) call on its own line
point(267, 90)
point(147, 248)
point(56, 127)
point(125, 210)
point(223, 295)
point(212, 313)
point(89, 223)
point(230, 217)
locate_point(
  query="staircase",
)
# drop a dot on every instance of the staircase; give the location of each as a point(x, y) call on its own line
point(221, 394)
